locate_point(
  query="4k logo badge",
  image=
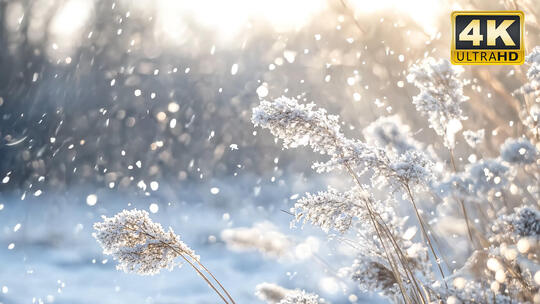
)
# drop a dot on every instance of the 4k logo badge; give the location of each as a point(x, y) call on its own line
point(487, 37)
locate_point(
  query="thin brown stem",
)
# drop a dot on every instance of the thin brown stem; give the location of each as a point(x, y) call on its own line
point(452, 160)
point(469, 232)
point(399, 280)
point(403, 260)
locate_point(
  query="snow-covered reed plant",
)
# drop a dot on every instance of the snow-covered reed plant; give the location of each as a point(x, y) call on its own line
point(404, 262)
point(143, 247)
point(440, 97)
point(503, 262)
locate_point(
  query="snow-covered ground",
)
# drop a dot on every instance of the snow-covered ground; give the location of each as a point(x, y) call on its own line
point(48, 254)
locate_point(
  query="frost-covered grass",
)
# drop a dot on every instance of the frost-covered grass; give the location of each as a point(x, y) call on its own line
point(496, 199)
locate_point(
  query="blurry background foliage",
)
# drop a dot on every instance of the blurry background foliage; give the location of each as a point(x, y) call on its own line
point(90, 88)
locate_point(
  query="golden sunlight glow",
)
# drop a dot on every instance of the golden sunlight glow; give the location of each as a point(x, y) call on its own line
point(174, 19)
point(67, 26)
point(426, 13)
point(230, 17)
point(71, 17)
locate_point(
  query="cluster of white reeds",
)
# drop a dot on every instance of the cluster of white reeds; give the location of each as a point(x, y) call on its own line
point(334, 210)
point(486, 196)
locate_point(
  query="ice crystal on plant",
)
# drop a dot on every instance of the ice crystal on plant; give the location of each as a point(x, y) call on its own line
point(474, 138)
point(374, 276)
point(301, 297)
point(372, 272)
point(353, 153)
point(412, 168)
point(275, 294)
point(518, 151)
point(138, 244)
point(299, 124)
point(440, 97)
point(330, 209)
point(524, 222)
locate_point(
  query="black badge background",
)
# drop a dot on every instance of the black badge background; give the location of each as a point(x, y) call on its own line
point(513, 30)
